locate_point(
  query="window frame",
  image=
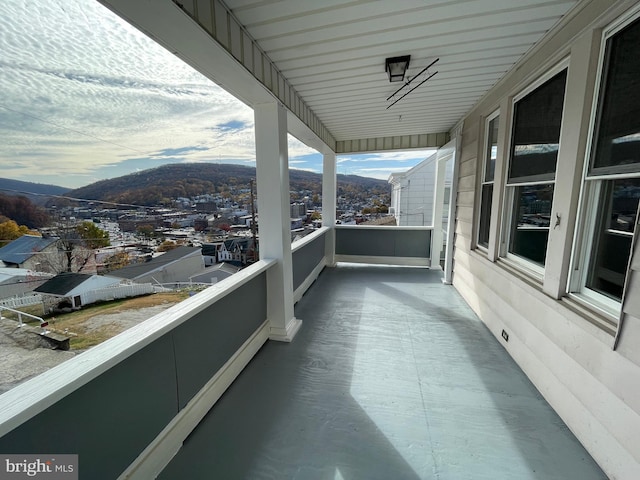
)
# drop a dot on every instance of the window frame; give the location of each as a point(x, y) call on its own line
point(528, 267)
point(591, 187)
point(495, 115)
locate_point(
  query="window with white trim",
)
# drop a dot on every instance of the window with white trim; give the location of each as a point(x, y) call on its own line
point(488, 171)
point(611, 190)
point(535, 142)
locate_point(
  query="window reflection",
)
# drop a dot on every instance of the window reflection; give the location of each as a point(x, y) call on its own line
point(613, 236)
point(617, 143)
point(532, 217)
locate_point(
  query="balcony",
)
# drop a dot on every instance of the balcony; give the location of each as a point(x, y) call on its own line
point(390, 376)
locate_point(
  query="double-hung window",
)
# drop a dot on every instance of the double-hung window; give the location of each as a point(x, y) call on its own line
point(611, 190)
point(488, 171)
point(535, 142)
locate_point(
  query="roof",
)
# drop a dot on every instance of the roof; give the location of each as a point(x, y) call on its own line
point(396, 177)
point(63, 283)
point(134, 271)
point(21, 275)
point(242, 242)
point(210, 249)
point(224, 267)
point(23, 248)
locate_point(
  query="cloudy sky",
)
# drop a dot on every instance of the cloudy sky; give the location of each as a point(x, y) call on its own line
point(85, 97)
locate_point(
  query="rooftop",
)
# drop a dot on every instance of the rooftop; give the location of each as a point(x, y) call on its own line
point(136, 270)
point(63, 283)
point(23, 248)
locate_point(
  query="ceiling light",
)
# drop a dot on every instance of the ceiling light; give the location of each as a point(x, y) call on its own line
point(396, 67)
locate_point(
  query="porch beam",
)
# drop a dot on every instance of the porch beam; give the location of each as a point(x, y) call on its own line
point(400, 142)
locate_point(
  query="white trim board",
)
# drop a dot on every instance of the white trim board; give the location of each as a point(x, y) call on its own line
point(158, 454)
point(403, 261)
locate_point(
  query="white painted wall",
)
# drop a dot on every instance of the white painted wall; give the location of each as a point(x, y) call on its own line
point(556, 341)
point(413, 192)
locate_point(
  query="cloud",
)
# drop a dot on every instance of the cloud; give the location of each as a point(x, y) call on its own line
point(385, 163)
point(399, 156)
point(68, 108)
point(86, 96)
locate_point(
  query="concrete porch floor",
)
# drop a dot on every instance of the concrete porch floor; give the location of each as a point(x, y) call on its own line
point(392, 376)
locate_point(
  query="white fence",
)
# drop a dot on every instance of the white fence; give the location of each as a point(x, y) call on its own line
point(115, 292)
point(26, 301)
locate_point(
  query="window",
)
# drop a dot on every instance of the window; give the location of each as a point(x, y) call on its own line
point(612, 181)
point(488, 170)
point(535, 142)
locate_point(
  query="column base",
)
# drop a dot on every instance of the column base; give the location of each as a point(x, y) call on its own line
point(285, 334)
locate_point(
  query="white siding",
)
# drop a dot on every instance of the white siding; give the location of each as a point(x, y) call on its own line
point(563, 348)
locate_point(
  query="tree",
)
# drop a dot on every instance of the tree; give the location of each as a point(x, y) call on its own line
point(10, 230)
point(76, 245)
point(146, 231)
point(116, 261)
point(167, 245)
point(93, 236)
point(23, 211)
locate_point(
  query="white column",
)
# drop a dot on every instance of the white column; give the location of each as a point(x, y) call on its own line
point(272, 171)
point(329, 189)
point(438, 205)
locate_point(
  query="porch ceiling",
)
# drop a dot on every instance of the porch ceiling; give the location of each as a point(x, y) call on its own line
point(333, 54)
point(325, 60)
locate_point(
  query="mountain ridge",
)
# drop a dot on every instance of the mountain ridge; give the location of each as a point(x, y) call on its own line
point(162, 184)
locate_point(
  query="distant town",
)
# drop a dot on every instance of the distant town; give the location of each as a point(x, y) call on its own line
point(73, 251)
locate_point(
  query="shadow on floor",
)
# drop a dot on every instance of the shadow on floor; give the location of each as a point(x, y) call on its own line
point(391, 377)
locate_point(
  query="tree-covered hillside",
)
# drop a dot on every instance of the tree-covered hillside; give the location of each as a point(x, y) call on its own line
point(162, 184)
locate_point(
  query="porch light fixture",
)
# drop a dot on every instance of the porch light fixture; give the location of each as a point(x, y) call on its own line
point(396, 67)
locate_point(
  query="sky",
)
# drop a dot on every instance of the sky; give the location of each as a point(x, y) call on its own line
point(85, 97)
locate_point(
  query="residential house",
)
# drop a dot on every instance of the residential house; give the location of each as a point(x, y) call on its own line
point(171, 267)
point(30, 252)
point(71, 286)
point(235, 251)
point(413, 193)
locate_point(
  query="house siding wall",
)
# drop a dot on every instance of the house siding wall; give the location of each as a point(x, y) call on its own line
point(420, 189)
point(572, 362)
point(178, 271)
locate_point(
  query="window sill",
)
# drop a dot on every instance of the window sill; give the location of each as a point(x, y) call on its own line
point(600, 317)
point(530, 277)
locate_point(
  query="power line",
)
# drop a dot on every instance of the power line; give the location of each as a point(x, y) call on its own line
point(65, 197)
